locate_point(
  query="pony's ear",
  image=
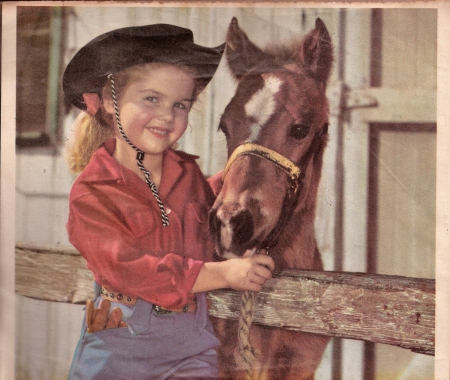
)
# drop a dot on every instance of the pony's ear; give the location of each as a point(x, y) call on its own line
point(242, 55)
point(316, 52)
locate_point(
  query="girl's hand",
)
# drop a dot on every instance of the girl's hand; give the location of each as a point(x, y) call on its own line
point(248, 272)
point(100, 319)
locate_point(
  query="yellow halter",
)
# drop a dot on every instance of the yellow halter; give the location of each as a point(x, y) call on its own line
point(292, 170)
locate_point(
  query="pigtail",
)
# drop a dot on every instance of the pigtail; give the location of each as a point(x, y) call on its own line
point(89, 132)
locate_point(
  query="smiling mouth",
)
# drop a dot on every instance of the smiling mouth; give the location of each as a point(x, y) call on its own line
point(159, 131)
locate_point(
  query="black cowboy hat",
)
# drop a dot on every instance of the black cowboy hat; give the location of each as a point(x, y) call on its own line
point(121, 48)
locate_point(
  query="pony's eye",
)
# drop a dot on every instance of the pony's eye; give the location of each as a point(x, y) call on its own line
point(299, 131)
point(223, 128)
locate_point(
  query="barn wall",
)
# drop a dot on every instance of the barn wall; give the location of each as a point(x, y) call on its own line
point(405, 170)
point(47, 332)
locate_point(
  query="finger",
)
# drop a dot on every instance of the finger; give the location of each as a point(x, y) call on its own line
point(263, 271)
point(249, 252)
point(253, 286)
point(257, 279)
point(250, 282)
point(89, 314)
point(123, 324)
point(114, 318)
point(264, 260)
point(101, 316)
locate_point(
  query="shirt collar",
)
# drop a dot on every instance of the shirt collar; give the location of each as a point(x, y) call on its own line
point(103, 167)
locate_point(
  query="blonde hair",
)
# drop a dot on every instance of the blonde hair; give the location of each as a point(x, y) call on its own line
point(89, 134)
point(92, 131)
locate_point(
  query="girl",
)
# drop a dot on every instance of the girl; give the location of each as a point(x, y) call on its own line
point(138, 210)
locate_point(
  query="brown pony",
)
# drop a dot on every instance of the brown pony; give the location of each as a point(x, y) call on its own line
point(276, 130)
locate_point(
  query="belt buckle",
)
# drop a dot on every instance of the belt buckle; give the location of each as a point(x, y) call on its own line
point(160, 311)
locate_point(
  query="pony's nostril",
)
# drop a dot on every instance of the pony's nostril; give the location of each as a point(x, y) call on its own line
point(242, 225)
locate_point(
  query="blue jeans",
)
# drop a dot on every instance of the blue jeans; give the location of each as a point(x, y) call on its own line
point(176, 345)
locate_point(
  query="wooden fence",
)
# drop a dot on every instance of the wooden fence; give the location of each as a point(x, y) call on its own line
point(393, 310)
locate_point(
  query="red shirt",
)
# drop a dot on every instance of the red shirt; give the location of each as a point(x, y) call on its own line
point(115, 224)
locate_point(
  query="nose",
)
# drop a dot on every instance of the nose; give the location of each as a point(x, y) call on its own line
point(232, 230)
point(242, 226)
point(165, 113)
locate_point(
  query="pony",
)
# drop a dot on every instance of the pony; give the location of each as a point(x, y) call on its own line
point(276, 131)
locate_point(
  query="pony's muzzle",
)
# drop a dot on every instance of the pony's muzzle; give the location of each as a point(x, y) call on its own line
point(232, 231)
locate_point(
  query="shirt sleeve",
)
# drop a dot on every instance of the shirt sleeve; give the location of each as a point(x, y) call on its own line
point(97, 231)
point(215, 182)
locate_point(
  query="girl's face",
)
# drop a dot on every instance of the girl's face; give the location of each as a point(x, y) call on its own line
point(154, 107)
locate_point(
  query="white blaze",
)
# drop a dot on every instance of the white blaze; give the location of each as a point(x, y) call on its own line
point(262, 104)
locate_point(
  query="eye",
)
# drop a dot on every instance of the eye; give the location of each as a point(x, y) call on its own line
point(299, 131)
point(223, 128)
point(180, 106)
point(151, 99)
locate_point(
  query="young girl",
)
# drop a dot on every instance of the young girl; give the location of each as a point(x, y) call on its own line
point(139, 209)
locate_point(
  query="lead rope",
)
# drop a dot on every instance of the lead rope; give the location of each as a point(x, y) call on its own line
point(247, 354)
point(139, 156)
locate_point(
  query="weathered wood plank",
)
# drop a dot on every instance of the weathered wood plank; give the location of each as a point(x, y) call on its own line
point(53, 274)
point(392, 310)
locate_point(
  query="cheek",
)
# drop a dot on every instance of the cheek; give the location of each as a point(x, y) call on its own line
point(181, 124)
point(180, 131)
point(133, 113)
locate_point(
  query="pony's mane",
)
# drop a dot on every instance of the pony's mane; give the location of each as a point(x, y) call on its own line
point(286, 52)
point(290, 52)
point(278, 55)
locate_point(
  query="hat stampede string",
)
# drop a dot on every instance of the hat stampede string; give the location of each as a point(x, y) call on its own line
point(139, 156)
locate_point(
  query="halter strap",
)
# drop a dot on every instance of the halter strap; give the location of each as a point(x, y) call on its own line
point(291, 169)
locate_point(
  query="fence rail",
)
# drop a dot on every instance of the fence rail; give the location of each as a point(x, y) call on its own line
point(392, 310)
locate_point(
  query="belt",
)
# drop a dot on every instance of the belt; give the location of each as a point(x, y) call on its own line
point(115, 296)
point(108, 294)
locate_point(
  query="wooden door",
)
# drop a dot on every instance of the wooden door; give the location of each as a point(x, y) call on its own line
point(389, 169)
